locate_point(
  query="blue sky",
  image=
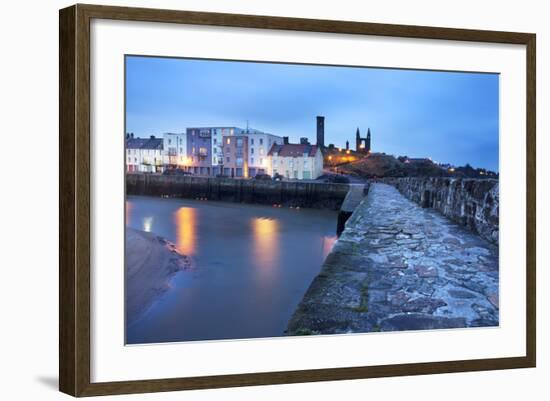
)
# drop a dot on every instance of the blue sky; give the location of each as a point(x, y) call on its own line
point(448, 116)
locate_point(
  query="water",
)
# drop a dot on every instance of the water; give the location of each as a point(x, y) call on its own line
point(253, 265)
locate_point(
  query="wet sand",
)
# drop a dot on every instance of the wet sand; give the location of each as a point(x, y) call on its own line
point(151, 261)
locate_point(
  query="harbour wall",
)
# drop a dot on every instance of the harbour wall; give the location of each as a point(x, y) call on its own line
point(286, 193)
point(473, 203)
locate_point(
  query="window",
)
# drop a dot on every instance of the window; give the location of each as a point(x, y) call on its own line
point(239, 161)
point(227, 159)
point(252, 141)
point(306, 163)
point(261, 161)
point(252, 160)
point(261, 141)
point(251, 151)
point(169, 141)
point(228, 141)
point(239, 142)
point(215, 141)
point(261, 151)
point(228, 149)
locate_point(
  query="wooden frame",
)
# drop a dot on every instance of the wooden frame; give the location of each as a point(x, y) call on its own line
point(74, 199)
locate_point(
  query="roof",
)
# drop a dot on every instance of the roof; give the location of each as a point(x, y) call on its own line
point(293, 150)
point(144, 143)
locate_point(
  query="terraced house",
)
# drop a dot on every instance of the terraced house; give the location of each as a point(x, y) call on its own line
point(296, 161)
point(145, 155)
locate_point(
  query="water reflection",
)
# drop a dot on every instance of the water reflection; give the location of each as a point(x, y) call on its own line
point(265, 246)
point(328, 243)
point(147, 224)
point(186, 220)
point(129, 206)
point(252, 266)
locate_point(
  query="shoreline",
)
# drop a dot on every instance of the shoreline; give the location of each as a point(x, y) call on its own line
point(151, 261)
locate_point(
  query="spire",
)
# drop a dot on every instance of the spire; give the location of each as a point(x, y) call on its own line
point(357, 134)
point(368, 133)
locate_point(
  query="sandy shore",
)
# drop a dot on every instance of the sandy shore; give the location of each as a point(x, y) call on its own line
point(150, 263)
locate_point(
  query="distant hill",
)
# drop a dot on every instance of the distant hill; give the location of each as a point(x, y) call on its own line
point(383, 165)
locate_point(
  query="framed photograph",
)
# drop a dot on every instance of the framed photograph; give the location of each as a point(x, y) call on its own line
point(250, 200)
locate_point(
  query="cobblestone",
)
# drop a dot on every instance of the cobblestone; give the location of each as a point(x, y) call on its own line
point(398, 266)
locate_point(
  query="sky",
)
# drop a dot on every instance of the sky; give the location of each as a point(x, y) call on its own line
point(452, 117)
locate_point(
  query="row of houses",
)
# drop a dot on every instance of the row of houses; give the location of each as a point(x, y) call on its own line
point(227, 151)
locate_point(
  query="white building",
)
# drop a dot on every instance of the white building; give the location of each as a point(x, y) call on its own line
point(259, 145)
point(175, 149)
point(296, 161)
point(144, 154)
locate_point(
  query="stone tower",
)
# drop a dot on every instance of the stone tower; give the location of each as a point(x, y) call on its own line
point(367, 144)
point(321, 131)
point(362, 144)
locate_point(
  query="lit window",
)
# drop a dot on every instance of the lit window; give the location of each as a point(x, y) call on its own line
point(261, 151)
point(228, 141)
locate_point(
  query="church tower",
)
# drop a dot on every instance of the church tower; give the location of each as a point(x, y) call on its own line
point(357, 140)
point(367, 144)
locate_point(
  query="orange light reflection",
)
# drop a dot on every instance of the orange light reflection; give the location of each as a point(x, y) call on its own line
point(129, 207)
point(185, 219)
point(328, 243)
point(265, 234)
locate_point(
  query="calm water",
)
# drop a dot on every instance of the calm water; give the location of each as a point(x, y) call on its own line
point(253, 265)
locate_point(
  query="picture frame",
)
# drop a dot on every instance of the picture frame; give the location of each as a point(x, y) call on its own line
point(76, 205)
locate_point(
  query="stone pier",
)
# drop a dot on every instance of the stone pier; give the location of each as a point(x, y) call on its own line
point(398, 266)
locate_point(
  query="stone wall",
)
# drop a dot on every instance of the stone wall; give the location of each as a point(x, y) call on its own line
point(287, 193)
point(470, 202)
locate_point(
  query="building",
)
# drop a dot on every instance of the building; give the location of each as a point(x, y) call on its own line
point(296, 161)
point(321, 131)
point(235, 151)
point(199, 150)
point(144, 154)
point(205, 148)
point(362, 144)
point(175, 150)
point(217, 145)
point(259, 145)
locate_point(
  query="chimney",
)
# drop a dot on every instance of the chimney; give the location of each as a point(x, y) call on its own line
point(304, 141)
point(321, 131)
point(285, 140)
point(152, 137)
